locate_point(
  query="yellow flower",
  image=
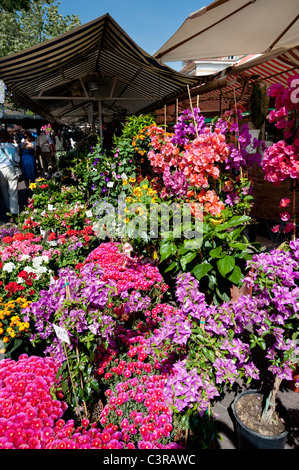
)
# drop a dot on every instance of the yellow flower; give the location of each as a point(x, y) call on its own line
point(125, 182)
point(25, 304)
point(1, 331)
point(12, 334)
point(132, 180)
point(32, 186)
point(2, 351)
point(215, 221)
point(128, 199)
point(137, 191)
point(127, 220)
point(5, 339)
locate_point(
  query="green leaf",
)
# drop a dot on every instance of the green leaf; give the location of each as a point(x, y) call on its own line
point(201, 270)
point(236, 275)
point(235, 220)
point(173, 265)
point(226, 265)
point(185, 259)
point(94, 384)
point(166, 249)
point(216, 253)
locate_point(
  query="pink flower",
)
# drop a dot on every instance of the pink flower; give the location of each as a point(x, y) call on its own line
point(285, 216)
point(289, 227)
point(276, 228)
point(284, 202)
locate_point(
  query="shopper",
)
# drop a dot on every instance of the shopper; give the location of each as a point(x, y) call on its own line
point(8, 177)
point(46, 145)
point(28, 155)
point(59, 146)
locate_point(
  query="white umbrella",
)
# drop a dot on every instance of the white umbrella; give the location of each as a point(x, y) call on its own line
point(234, 27)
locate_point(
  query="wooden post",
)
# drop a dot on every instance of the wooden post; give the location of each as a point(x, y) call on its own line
point(68, 296)
point(192, 110)
point(165, 120)
point(73, 387)
point(294, 209)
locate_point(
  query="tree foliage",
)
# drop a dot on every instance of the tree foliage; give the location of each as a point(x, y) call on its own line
point(36, 21)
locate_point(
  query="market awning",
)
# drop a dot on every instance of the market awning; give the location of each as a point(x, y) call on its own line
point(95, 69)
point(266, 69)
point(234, 27)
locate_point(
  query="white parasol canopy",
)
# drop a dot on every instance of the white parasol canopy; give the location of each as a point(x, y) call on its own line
point(234, 27)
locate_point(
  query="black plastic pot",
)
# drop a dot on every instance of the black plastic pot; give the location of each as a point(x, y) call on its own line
point(249, 439)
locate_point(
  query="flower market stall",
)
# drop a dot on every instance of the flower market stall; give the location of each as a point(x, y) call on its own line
point(118, 329)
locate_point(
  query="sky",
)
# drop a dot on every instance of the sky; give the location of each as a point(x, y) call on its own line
point(150, 24)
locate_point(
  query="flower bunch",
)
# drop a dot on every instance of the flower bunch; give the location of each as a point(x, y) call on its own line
point(280, 162)
point(141, 141)
point(130, 274)
point(8, 231)
point(285, 105)
point(274, 281)
point(13, 328)
point(189, 124)
point(209, 200)
point(24, 264)
point(138, 407)
point(281, 159)
point(206, 342)
point(71, 247)
point(286, 224)
point(164, 153)
point(243, 150)
point(30, 413)
point(203, 156)
point(47, 129)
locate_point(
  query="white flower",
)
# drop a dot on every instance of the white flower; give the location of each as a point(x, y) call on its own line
point(9, 267)
point(38, 260)
point(24, 257)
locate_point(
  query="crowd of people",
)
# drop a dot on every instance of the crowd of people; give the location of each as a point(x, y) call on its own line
point(33, 156)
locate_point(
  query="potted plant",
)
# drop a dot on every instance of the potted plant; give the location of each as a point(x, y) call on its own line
point(273, 316)
point(201, 347)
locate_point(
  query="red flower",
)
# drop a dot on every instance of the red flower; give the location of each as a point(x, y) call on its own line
point(23, 274)
point(52, 237)
point(7, 240)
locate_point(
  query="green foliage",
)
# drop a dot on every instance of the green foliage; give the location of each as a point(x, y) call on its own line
point(218, 260)
point(17, 5)
point(22, 29)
